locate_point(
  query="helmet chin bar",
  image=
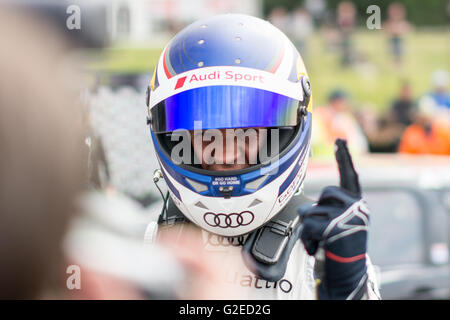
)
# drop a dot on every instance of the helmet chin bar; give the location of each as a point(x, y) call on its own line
point(238, 215)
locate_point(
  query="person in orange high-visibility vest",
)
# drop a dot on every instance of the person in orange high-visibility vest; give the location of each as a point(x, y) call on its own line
point(429, 134)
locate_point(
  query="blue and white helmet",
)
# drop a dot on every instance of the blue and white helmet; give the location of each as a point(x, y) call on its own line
point(231, 71)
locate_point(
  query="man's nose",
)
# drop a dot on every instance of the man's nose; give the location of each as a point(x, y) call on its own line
point(231, 152)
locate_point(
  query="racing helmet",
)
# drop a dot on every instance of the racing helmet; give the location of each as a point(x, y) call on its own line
point(226, 72)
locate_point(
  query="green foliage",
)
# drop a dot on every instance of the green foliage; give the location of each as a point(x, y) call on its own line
point(124, 60)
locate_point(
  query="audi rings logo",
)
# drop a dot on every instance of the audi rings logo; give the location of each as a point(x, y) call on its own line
point(232, 220)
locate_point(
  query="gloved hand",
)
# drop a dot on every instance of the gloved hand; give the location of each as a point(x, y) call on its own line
point(335, 231)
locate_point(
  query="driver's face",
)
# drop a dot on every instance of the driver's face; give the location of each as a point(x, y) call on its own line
point(237, 152)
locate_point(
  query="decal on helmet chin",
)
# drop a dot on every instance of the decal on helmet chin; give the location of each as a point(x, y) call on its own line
point(232, 220)
point(226, 181)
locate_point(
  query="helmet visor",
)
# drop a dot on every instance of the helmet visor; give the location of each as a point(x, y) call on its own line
point(221, 107)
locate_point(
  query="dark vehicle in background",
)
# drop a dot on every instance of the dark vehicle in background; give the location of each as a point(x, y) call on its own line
point(409, 200)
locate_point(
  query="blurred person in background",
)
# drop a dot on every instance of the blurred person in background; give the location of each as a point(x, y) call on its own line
point(346, 22)
point(301, 29)
point(336, 120)
point(439, 96)
point(330, 34)
point(279, 17)
point(42, 163)
point(402, 109)
point(397, 26)
point(317, 9)
point(384, 132)
point(430, 131)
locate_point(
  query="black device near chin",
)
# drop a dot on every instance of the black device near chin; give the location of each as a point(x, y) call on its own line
point(267, 250)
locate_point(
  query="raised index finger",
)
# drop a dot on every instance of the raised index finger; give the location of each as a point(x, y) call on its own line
point(348, 176)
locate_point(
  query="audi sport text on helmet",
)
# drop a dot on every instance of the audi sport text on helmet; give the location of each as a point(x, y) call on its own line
point(231, 71)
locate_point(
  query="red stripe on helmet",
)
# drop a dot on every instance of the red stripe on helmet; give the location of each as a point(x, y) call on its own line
point(165, 66)
point(278, 62)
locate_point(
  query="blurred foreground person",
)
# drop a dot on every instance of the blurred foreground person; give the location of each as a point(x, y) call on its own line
point(42, 156)
point(105, 244)
point(48, 250)
point(239, 76)
point(43, 174)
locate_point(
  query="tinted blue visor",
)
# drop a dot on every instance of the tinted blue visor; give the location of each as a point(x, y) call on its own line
point(220, 107)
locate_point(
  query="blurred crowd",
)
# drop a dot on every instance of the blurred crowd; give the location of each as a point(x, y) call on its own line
point(410, 125)
point(338, 27)
point(414, 123)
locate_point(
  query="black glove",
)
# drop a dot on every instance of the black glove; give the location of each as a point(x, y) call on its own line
point(335, 231)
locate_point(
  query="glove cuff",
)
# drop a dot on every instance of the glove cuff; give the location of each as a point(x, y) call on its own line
point(344, 278)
